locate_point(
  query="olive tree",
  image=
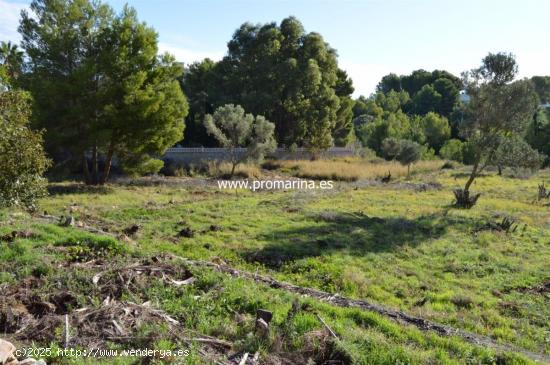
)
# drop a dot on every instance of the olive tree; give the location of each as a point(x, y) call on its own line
point(514, 152)
point(22, 158)
point(233, 129)
point(409, 153)
point(498, 107)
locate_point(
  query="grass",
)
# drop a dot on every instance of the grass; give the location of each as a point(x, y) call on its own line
point(389, 244)
point(352, 169)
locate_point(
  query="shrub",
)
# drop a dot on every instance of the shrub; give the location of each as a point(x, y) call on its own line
point(452, 150)
point(22, 158)
point(390, 148)
point(409, 153)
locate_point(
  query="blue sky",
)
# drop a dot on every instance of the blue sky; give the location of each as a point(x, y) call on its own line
point(373, 37)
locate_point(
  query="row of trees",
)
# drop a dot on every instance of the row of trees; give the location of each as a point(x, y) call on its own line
point(99, 89)
point(98, 85)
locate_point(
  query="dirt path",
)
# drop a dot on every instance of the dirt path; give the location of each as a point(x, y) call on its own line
point(339, 301)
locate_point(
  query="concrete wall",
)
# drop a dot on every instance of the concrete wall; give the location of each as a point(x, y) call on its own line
point(195, 155)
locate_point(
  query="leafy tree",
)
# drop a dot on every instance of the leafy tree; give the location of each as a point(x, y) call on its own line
point(409, 153)
point(99, 86)
point(514, 152)
point(392, 101)
point(396, 125)
point(198, 83)
point(426, 100)
point(449, 95)
point(452, 150)
point(436, 130)
point(498, 108)
point(414, 82)
point(538, 132)
point(22, 158)
point(498, 68)
point(11, 58)
point(233, 129)
point(289, 76)
point(367, 107)
point(542, 87)
point(390, 82)
point(390, 148)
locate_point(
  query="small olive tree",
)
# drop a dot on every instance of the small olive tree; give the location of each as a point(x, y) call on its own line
point(514, 152)
point(498, 108)
point(409, 153)
point(234, 129)
point(22, 158)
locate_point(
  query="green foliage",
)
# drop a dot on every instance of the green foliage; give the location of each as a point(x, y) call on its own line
point(391, 148)
point(452, 150)
point(542, 87)
point(109, 94)
point(426, 100)
point(11, 59)
point(538, 132)
point(285, 74)
point(436, 130)
point(516, 153)
point(435, 91)
point(22, 157)
point(497, 109)
point(409, 153)
point(232, 128)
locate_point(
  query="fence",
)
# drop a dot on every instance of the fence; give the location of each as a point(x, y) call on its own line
point(196, 154)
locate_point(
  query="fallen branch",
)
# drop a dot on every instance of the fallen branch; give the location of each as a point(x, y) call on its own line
point(327, 326)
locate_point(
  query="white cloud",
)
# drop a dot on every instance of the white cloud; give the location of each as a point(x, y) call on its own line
point(366, 76)
point(10, 13)
point(188, 55)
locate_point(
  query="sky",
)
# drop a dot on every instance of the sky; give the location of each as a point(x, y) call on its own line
point(372, 37)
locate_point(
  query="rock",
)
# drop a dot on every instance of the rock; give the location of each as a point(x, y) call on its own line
point(68, 221)
point(262, 328)
point(31, 361)
point(266, 315)
point(7, 352)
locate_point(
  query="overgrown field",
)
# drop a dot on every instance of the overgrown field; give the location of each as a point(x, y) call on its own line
point(401, 245)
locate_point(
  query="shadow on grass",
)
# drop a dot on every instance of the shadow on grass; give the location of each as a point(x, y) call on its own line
point(77, 188)
point(353, 234)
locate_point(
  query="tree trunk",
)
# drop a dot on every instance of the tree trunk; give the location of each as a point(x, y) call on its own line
point(108, 163)
point(473, 175)
point(95, 172)
point(233, 170)
point(408, 171)
point(85, 169)
point(499, 170)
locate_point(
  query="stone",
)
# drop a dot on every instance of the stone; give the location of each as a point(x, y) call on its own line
point(6, 352)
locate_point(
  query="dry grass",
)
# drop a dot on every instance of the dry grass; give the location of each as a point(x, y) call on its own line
point(352, 169)
point(246, 171)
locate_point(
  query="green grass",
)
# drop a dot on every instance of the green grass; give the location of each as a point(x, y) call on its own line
point(392, 245)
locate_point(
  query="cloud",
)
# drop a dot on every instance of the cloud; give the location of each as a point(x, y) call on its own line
point(10, 13)
point(366, 76)
point(188, 55)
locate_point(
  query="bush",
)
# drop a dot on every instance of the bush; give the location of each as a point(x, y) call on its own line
point(452, 150)
point(390, 148)
point(22, 158)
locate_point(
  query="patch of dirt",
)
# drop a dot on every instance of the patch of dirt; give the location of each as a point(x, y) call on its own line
point(541, 288)
point(10, 237)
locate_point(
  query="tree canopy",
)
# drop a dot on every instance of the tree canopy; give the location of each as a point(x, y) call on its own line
point(99, 86)
point(232, 128)
point(285, 74)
